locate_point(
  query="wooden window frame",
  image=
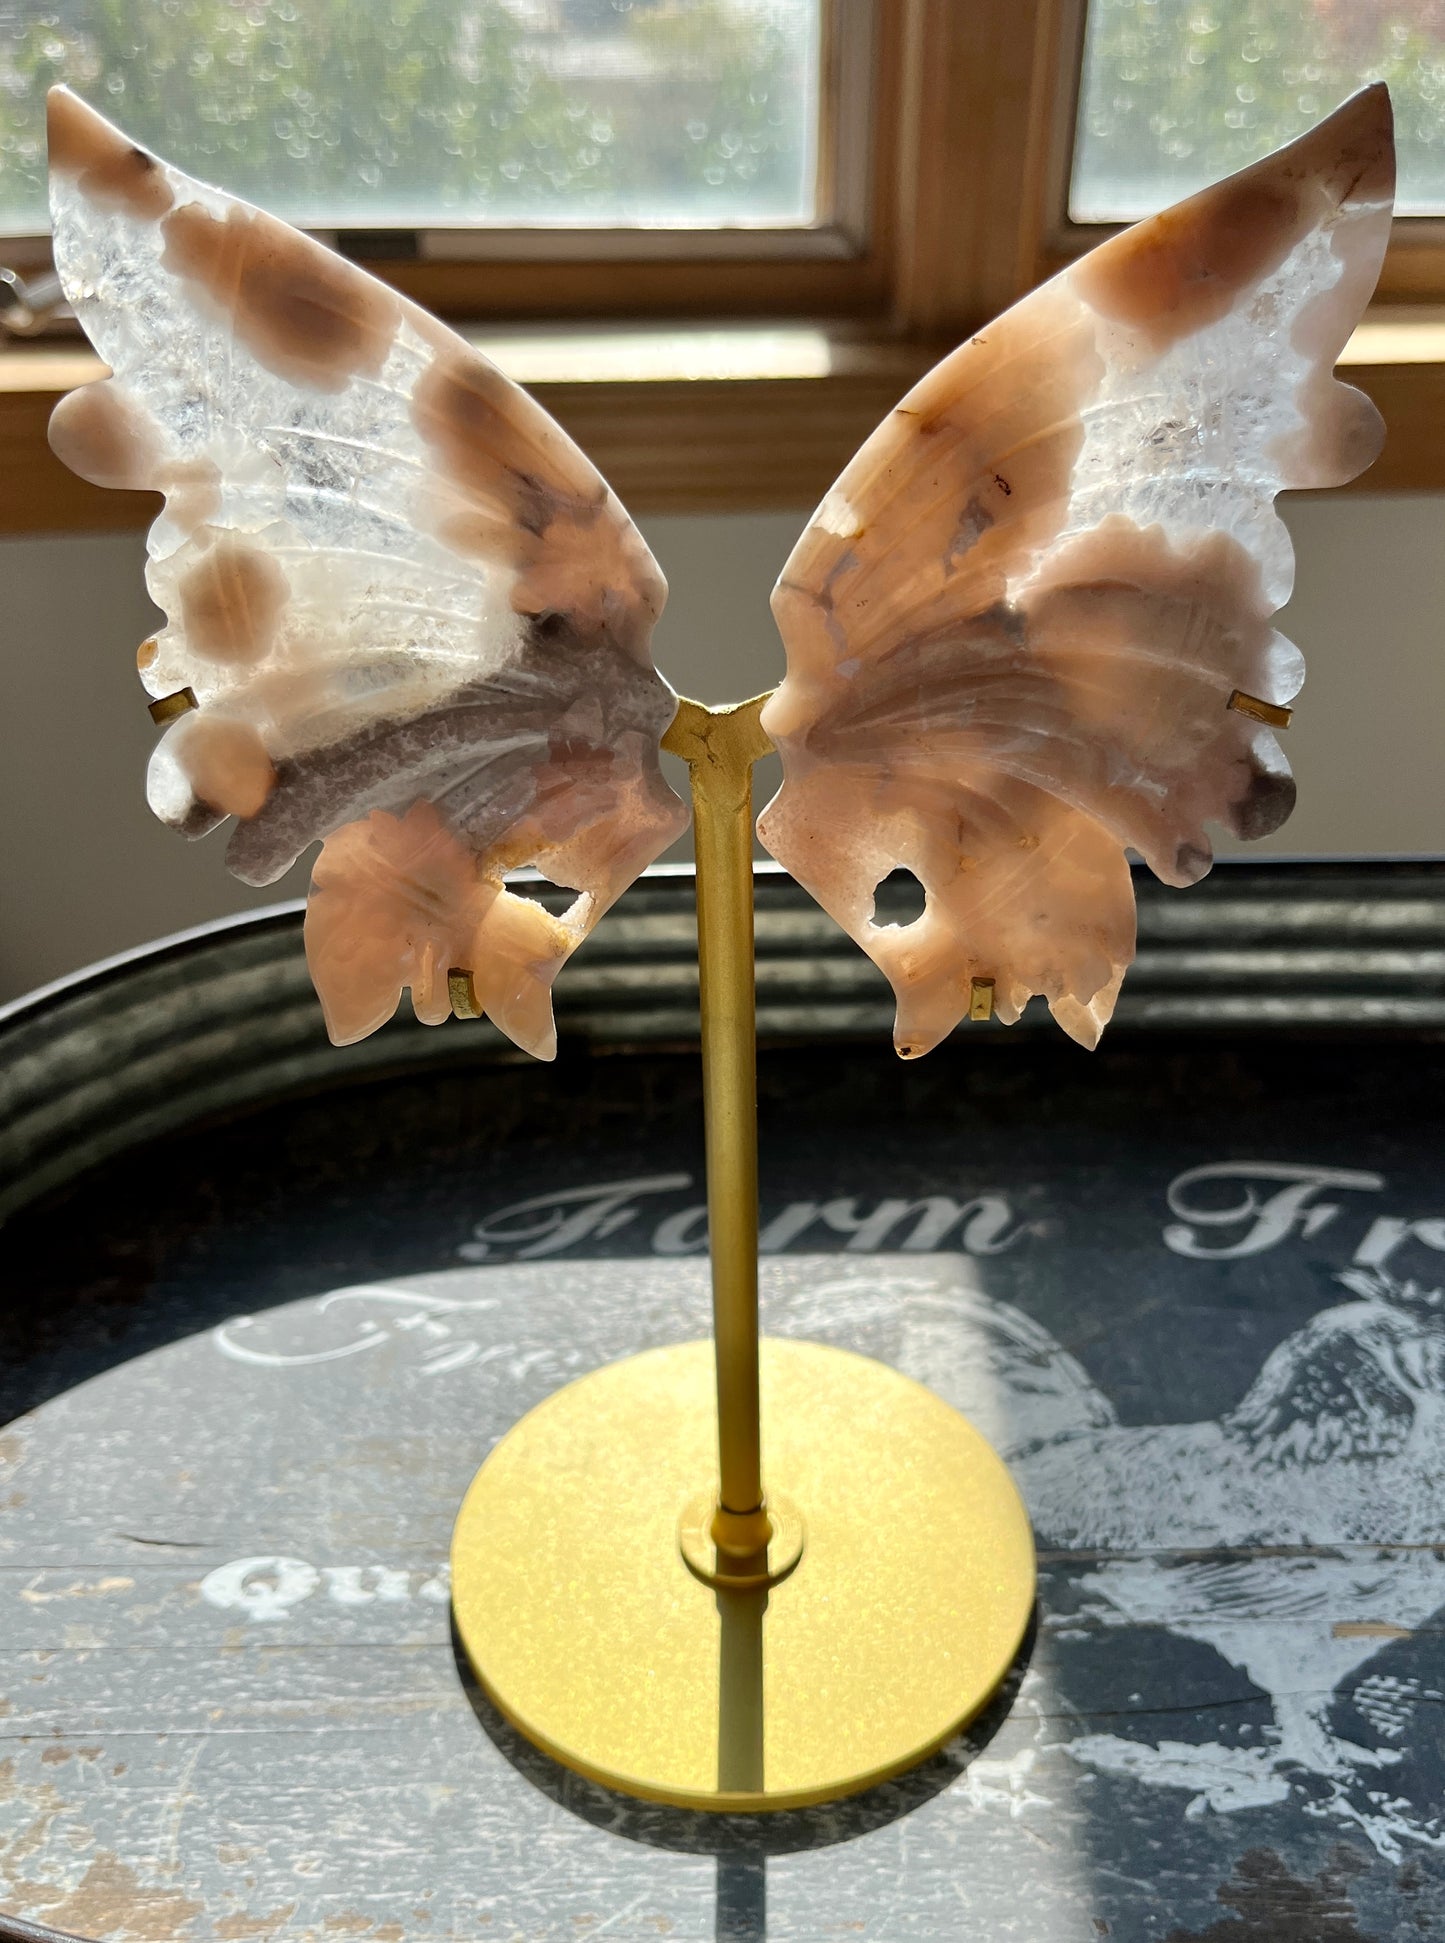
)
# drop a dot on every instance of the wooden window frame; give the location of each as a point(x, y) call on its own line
point(983, 214)
point(839, 266)
point(1414, 267)
point(962, 199)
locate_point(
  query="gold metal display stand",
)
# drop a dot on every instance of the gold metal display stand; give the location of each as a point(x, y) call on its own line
point(626, 1592)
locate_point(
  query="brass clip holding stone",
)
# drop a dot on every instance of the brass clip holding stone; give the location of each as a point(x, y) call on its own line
point(166, 708)
point(980, 998)
point(462, 991)
point(1271, 713)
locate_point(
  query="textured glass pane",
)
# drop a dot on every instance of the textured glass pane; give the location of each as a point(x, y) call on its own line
point(364, 113)
point(1178, 92)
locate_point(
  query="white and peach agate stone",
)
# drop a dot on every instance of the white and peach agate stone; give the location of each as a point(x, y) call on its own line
point(1014, 626)
point(415, 620)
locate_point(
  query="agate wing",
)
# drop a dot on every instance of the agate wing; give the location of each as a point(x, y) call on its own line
point(404, 615)
point(1015, 626)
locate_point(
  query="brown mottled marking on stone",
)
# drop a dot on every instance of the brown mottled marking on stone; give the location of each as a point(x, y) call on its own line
point(509, 487)
point(1019, 392)
point(193, 492)
point(197, 819)
point(1351, 153)
point(1192, 862)
point(304, 313)
point(75, 134)
point(225, 762)
point(377, 766)
point(467, 411)
point(1183, 269)
point(103, 436)
point(232, 600)
point(110, 168)
point(1267, 803)
point(145, 654)
point(1339, 431)
point(1204, 610)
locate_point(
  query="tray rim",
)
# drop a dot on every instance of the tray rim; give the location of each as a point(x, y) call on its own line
point(221, 1016)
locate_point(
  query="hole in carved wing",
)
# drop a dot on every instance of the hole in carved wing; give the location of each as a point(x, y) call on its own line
point(898, 899)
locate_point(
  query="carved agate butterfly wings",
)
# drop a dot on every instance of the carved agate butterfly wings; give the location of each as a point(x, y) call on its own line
point(403, 613)
point(1028, 630)
point(1016, 625)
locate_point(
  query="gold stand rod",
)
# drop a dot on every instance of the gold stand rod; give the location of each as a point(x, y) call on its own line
point(575, 1569)
point(720, 747)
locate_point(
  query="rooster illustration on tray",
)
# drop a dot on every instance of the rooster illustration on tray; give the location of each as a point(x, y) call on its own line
point(1030, 628)
point(1317, 1498)
point(1297, 1535)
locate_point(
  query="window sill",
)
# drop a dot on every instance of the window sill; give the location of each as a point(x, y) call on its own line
point(684, 419)
point(677, 419)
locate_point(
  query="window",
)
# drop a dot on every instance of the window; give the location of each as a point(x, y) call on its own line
point(430, 133)
point(1172, 94)
point(422, 113)
point(798, 204)
point(1175, 93)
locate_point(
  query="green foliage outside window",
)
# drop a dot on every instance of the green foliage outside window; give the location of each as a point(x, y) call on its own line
point(368, 112)
point(1179, 92)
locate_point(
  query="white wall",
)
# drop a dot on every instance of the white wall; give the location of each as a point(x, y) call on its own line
point(85, 871)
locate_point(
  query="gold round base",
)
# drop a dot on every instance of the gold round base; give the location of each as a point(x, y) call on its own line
point(590, 1632)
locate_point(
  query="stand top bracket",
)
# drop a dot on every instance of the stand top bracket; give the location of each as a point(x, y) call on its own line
point(728, 739)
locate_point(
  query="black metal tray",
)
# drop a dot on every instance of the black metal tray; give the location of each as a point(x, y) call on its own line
point(264, 1306)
